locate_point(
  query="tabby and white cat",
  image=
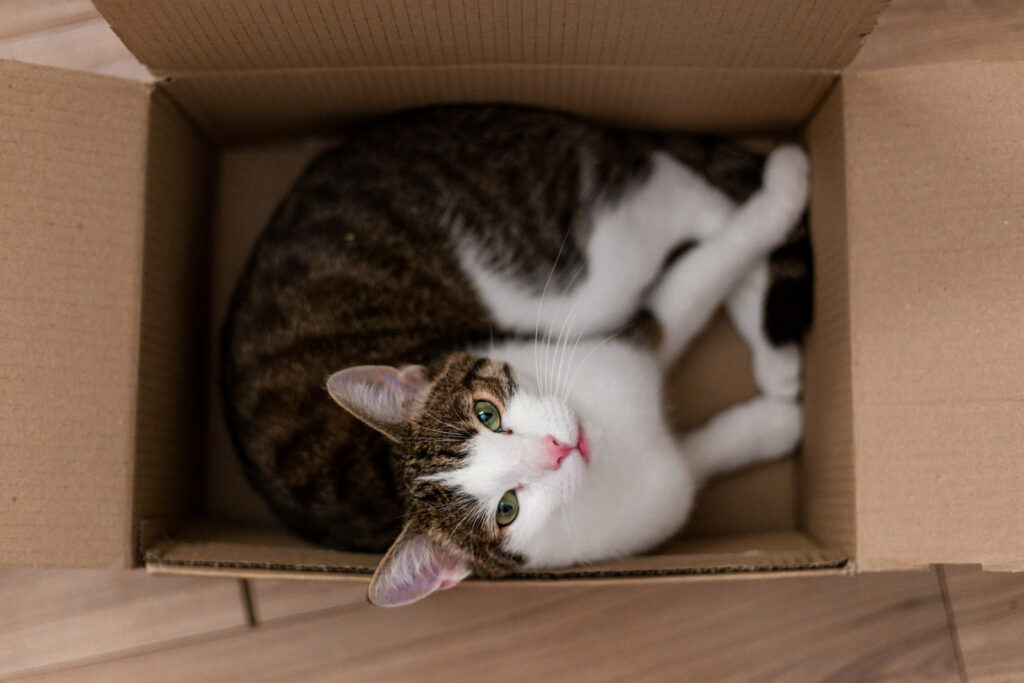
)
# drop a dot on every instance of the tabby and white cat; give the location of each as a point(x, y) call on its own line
point(493, 294)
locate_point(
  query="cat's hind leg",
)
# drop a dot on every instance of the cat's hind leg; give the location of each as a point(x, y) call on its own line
point(701, 280)
point(628, 241)
point(776, 368)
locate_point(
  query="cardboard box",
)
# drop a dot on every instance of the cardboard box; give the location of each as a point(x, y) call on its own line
point(126, 210)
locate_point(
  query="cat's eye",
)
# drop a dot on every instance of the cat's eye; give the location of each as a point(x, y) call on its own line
point(508, 508)
point(488, 415)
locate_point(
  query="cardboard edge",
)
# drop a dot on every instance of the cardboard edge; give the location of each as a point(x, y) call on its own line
point(285, 572)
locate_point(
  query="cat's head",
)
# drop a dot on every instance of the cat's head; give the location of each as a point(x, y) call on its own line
point(489, 459)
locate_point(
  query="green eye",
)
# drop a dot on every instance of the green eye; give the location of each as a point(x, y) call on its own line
point(508, 508)
point(488, 415)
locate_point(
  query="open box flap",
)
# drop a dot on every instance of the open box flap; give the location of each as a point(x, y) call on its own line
point(242, 106)
point(172, 37)
point(210, 547)
point(72, 173)
point(934, 165)
point(102, 187)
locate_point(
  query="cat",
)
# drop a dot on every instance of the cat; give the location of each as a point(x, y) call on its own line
point(492, 294)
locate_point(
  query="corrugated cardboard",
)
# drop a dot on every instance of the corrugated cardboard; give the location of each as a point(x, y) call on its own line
point(935, 214)
point(247, 106)
point(72, 210)
point(212, 548)
point(170, 422)
point(176, 37)
point(826, 469)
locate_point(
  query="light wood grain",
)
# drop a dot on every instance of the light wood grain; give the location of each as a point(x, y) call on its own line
point(988, 609)
point(871, 627)
point(71, 35)
point(57, 617)
point(276, 599)
point(20, 17)
point(928, 31)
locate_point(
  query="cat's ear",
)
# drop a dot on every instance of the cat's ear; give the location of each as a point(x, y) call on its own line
point(380, 395)
point(415, 567)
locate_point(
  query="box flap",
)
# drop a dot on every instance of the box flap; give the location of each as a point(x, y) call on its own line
point(934, 162)
point(212, 547)
point(72, 174)
point(174, 36)
point(241, 106)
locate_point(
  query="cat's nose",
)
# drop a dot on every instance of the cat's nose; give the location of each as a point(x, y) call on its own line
point(555, 452)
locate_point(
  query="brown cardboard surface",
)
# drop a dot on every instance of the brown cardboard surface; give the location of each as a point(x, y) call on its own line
point(245, 106)
point(826, 478)
point(235, 549)
point(72, 173)
point(175, 287)
point(251, 181)
point(713, 374)
point(175, 36)
point(935, 157)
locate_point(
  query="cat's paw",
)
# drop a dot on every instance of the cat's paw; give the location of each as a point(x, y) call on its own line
point(786, 178)
point(780, 426)
point(777, 371)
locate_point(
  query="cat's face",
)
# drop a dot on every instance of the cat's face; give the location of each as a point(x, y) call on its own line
point(489, 461)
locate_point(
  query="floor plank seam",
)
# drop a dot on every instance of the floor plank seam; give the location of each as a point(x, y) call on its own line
point(954, 634)
point(247, 605)
point(126, 653)
point(335, 610)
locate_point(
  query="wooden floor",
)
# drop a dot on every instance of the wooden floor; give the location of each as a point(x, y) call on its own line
point(947, 624)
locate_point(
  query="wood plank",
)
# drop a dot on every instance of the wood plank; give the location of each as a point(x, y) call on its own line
point(274, 599)
point(988, 609)
point(57, 617)
point(870, 627)
point(87, 45)
point(18, 17)
point(928, 31)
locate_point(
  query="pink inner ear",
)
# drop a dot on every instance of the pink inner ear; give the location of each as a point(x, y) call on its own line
point(418, 569)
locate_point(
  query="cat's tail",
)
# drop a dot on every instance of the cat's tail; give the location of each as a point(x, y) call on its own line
point(737, 170)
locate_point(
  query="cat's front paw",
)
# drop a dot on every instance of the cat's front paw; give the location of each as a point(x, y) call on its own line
point(780, 426)
point(777, 371)
point(786, 178)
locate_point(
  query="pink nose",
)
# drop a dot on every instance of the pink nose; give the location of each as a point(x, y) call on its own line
point(556, 452)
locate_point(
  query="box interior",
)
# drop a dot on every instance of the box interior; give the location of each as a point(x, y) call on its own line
point(749, 522)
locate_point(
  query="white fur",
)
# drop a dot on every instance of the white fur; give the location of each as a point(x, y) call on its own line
point(639, 486)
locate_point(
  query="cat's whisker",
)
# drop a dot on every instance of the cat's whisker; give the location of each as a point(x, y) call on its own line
point(616, 333)
point(472, 512)
point(567, 332)
point(572, 359)
point(439, 431)
point(440, 420)
point(540, 305)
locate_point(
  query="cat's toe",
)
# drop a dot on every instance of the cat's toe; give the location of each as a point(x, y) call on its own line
point(777, 371)
point(786, 174)
point(781, 426)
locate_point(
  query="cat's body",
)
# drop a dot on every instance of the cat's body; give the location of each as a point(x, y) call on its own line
point(496, 256)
